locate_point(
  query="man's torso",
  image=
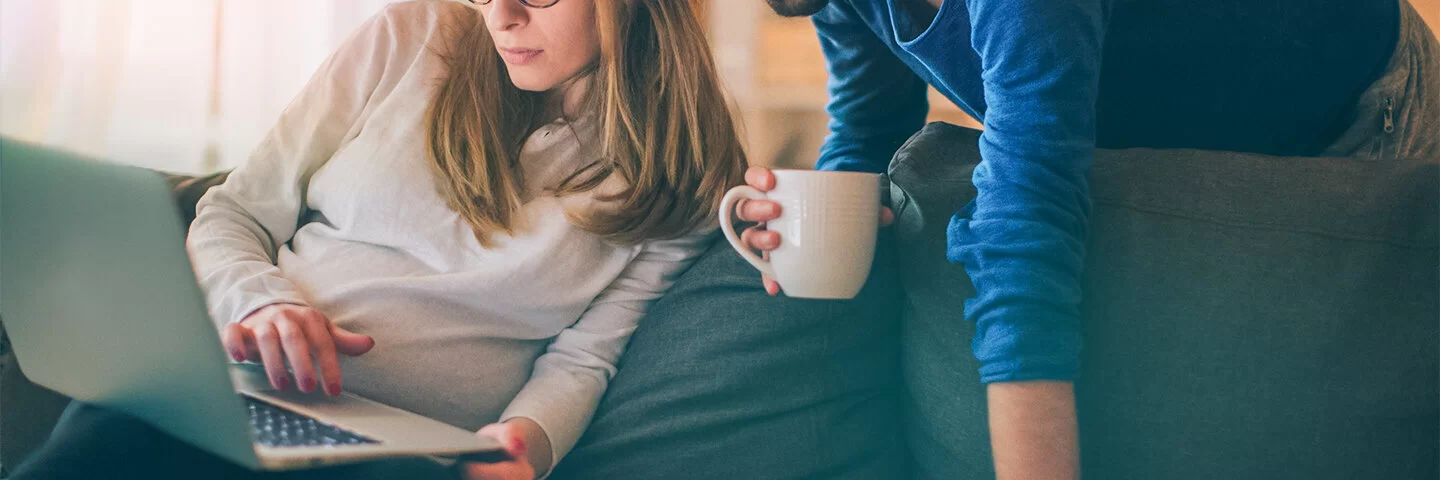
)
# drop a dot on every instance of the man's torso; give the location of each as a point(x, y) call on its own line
point(1266, 76)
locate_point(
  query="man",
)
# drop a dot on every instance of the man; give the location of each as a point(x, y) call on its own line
point(1051, 81)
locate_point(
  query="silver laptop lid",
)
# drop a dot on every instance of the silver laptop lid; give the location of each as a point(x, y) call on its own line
point(100, 301)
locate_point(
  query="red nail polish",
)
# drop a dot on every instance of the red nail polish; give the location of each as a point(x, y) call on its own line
point(517, 445)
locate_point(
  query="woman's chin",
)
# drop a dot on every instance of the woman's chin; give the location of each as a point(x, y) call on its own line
point(531, 84)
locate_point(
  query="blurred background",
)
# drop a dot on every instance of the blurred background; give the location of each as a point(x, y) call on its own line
point(193, 86)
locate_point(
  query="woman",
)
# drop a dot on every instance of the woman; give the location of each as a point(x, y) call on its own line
point(468, 209)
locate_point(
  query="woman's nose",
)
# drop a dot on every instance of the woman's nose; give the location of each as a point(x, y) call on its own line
point(506, 14)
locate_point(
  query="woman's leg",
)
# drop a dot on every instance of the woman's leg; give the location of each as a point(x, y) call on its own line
point(92, 442)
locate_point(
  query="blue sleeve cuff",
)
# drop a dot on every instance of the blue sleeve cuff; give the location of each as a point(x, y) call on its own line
point(1026, 308)
point(1038, 348)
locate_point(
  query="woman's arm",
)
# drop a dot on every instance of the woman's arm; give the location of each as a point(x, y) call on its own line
point(569, 379)
point(240, 225)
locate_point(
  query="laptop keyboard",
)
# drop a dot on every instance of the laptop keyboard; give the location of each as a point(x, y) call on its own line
point(273, 426)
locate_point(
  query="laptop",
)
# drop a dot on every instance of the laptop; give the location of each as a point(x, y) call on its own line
point(101, 304)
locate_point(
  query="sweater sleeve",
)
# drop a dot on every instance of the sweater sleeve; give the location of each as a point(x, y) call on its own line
point(240, 225)
point(573, 373)
point(876, 102)
point(1022, 240)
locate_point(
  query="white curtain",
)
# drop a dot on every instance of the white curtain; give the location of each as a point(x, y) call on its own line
point(179, 85)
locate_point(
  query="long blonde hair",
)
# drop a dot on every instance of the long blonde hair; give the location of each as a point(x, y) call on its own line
point(665, 128)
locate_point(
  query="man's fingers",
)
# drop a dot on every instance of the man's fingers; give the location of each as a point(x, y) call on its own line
point(297, 350)
point(760, 178)
point(350, 343)
point(887, 216)
point(268, 341)
point(757, 239)
point(322, 346)
point(758, 210)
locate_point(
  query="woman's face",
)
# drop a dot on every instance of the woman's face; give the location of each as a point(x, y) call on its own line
point(543, 47)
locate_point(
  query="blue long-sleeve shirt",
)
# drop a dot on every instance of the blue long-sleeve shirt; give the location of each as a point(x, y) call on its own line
point(1268, 76)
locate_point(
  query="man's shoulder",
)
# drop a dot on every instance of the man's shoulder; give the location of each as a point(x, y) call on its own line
point(850, 13)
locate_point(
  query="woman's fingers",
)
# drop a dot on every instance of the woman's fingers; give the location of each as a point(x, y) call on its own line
point(514, 444)
point(758, 210)
point(508, 436)
point(887, 216)
point(761, 178)
point(322, 346)
point(772, 287)
point(757, 239)
point(511, 470)
point(267, 338)
point(765, 241)
point(299, 334)
point(349, 343)
point(237, 341)
point(296, 345)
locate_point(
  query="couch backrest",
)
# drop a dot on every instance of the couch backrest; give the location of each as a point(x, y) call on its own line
point(1245, 316)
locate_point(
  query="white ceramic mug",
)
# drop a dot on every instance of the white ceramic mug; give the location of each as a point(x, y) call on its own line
point(828, 224)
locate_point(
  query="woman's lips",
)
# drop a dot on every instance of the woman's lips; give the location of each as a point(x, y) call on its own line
point(519, 56)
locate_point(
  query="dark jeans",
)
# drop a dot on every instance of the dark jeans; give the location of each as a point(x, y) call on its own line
point(93, 443)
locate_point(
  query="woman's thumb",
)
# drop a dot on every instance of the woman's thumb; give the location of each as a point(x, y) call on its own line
point(508, 437)
point(350, 343)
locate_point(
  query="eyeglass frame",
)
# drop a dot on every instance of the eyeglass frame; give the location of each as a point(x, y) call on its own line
point(527, 3)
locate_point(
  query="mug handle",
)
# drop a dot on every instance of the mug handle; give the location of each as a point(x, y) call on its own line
point(726, 206)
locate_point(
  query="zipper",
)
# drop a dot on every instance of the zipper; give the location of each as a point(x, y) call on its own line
point(1390, 115)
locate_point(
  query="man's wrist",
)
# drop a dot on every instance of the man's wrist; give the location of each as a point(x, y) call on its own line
point(1033, 430)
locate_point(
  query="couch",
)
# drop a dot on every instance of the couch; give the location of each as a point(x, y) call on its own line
point(1245, 317)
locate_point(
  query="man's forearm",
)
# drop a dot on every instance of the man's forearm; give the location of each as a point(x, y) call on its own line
point(1033, 430)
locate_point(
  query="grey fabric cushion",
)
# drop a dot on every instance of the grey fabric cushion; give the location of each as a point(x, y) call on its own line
point(945, 419)
point(1246, 316)
point(722, 381)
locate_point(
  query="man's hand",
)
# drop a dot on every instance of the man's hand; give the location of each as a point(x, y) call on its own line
point(1033, 431)
point(297, 333)
point(761, 211)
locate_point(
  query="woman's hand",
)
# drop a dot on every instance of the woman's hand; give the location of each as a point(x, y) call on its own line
point(762, 211)
point(527, 445)
point(300, 334)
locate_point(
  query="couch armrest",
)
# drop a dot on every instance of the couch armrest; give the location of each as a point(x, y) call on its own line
point(187, 190)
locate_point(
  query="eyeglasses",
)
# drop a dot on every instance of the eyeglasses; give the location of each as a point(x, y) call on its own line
point(528, 3)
